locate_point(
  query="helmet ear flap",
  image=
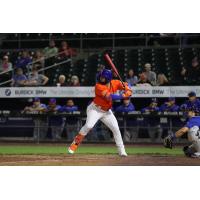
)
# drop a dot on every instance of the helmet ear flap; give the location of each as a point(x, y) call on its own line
point(98, 76)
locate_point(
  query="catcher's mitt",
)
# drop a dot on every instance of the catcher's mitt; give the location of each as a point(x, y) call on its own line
point(168, 142)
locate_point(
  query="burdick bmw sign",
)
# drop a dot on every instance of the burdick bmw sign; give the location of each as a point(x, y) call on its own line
point(84, 92)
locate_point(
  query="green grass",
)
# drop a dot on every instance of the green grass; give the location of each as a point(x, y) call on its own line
point(54, 149)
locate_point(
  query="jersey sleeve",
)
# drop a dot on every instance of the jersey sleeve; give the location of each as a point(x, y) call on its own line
point(43, 106)
point(119, 84)
point(59, 108)
point(190, 123)
point(101, 91)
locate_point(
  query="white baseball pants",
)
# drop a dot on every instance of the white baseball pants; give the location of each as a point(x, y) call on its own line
point(94, 114)
point(194, 137)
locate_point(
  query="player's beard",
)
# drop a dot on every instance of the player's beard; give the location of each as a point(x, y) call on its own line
point(104, 83)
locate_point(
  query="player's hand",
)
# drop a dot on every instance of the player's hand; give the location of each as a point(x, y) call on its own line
point(168, 141)
point(127, 94)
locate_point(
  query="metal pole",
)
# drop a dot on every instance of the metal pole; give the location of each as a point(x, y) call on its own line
point(124, 118)
point(180, 40)
point(146, 38)
point(81, 42)
point(113, 41)
point(19, 41)
point(38, 132)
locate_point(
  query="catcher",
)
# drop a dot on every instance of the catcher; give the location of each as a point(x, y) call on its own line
point(193, 131)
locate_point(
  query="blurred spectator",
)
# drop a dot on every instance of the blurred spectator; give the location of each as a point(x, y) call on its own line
point(36, 79)
point(19, 79)
point(192, 102)
point(127, 106)
point(72, 125)
point(162, 80)
point(38, 59)
point(153, 107)
point(65, 51)
point(56, 123)
point(23, 60)
point(143, 81)
point(169, 106)
point(40, 129)
point(152, 124)
point(69, 107)
point(74, 81)
point(5, 65)
point(100, 68)
point(151, 76)
point(61, 81)
point(51, 50)
point(192, 74)
point(129, 131)
point(131, 79)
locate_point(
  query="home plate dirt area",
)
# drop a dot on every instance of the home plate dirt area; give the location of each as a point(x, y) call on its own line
point(96, 160)
point(92, 155)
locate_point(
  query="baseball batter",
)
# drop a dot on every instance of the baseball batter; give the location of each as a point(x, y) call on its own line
point(192, 128)
point(100, 109)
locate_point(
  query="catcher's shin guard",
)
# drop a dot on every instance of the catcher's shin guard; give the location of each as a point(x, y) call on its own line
point(77, 140)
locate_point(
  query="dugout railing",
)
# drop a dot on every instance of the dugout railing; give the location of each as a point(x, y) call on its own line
point(136, 127)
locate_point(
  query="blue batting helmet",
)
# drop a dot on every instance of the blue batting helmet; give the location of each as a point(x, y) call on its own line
point(107, 74)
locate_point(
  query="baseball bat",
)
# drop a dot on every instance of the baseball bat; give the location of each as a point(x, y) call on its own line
point(110, 62)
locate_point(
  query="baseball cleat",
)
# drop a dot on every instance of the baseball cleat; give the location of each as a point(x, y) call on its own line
point(195, 155)
point(123, 154)
point(70, 151)
point(77, 140)
point(72, 148)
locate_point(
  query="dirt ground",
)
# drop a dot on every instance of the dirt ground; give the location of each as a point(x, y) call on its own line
point(96, 160)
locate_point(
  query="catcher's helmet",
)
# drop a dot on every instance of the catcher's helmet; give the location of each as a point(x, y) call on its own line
point(107, 74)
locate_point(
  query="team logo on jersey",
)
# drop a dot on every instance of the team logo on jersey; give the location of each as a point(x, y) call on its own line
point(7, 92)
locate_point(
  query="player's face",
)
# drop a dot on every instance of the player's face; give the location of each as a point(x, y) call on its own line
point(170, 103)
point(52, 105)
point(190, 114)
point(102, 80)
point(36, 103)
point(153, 104)
point(70, 103)
point(192, 98)
point(126, 102)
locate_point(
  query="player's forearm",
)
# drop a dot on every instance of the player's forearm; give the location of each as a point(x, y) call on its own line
point(181, 132)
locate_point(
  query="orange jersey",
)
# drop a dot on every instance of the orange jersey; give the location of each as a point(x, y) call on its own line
point(103, 91)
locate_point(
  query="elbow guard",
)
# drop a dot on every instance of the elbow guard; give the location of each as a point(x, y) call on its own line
point(116, 96)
